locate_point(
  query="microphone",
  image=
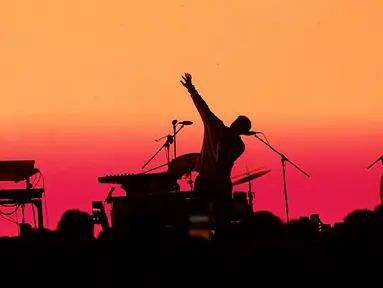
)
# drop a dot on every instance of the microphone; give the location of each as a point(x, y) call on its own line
point(186, 123)
point(174, 122)
point(251, 133)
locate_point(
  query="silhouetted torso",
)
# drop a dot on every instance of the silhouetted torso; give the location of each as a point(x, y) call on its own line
point(230, 148)
point(213, 131)
point(220, 147)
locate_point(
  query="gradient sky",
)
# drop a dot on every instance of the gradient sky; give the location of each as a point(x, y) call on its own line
point(88, 85)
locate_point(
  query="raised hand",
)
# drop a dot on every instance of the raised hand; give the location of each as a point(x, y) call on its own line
point(187, 81)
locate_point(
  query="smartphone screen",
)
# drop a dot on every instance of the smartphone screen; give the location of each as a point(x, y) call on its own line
point(314, 218)
point(97, 211)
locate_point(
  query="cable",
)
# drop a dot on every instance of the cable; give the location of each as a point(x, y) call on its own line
point(45, 201)
point(264, 136)
point(34, 179)
point(22, 213)
point(17, 222)
point(8, 205)
point(167, 155)
point(34, 215)
point(9, 219)
point(10, 213)
point(38, 181)
point(32, 205)
point(6, 216)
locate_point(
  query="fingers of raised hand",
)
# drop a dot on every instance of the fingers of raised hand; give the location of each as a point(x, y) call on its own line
point(186, 79)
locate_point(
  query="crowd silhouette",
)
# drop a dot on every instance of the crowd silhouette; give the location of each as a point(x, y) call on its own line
point(145, 252)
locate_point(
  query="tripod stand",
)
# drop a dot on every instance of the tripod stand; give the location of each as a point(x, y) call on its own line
point(283, 162)
point(170, 139)
point(166, 145)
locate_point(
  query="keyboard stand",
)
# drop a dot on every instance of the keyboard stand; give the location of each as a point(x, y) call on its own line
point(37, 202)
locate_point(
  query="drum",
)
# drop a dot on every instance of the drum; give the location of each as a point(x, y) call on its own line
point(240, 205)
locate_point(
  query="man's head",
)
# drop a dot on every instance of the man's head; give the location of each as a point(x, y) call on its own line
point(241, 125)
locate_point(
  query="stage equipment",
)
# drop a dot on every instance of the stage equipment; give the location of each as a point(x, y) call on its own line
point(143, 184)
point(241, 206)
point(169, 208)
point(170, 139)
point(248, 178)
point(175, 132)
point(181, 166)
point(17, 171)
point(284, 159)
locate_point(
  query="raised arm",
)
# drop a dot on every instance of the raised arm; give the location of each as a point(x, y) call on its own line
point(204, 111)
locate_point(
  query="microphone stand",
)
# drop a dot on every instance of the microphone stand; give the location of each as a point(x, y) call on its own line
point(174, 124)
point(170, 139)
point(166, 145)
point(175, 132)
point(381, 179)
point(283, 161)
point(380, 158)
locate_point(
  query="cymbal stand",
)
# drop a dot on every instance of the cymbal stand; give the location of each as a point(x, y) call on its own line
point(250, 195)
point(283, 162)
point(376, 161)
point(190, 181)
point(166, 145)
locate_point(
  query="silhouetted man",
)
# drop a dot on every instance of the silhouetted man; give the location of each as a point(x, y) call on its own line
point(221, 147)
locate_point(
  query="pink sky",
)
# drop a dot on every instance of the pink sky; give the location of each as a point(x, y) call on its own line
point(88, 85)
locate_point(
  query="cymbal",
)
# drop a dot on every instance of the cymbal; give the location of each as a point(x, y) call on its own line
point(183, 164)
point(248, 172)
point(251, 177)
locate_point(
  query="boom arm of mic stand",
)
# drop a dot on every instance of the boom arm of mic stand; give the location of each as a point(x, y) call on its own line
point(283, 157)
point(377, 160)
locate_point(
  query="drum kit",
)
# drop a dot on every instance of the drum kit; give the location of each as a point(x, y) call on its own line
point(184, 165)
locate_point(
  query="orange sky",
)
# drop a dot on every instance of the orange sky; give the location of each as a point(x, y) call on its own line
point(96, 78)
